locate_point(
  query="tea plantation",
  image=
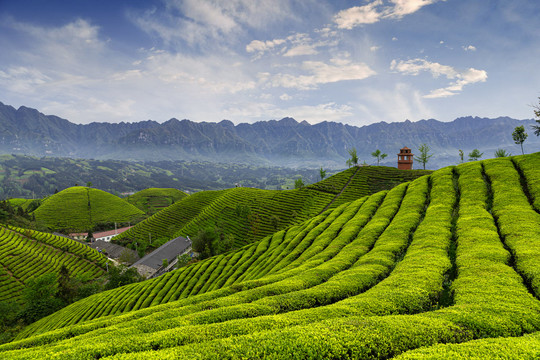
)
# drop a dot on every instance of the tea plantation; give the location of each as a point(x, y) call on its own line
point(445, 266)
point(27, 253)
point(81, 208)
point(153, 200)
point(250, 214)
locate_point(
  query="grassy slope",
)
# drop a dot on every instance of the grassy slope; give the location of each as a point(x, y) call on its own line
point(446, 259)
point(80, 208)
point(269, 210)
point(27, 253)
point(154, 199)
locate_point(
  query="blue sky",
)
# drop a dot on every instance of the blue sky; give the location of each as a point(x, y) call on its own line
point(355, 62)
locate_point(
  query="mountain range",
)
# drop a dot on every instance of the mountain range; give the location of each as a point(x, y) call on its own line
point(284, 142)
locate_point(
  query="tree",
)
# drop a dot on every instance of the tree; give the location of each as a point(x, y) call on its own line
point(203, 242)
point(354, 158)
point(379, 155)
point(461, 155)
point(475, 155)
point(40, 297)
point(519, 135)
point(183, 260)
point(322, 173)
point(121, 275)
point(424, 155)
point(536, 128)
point(502, 153)
point(66, 287)
point(298, 183)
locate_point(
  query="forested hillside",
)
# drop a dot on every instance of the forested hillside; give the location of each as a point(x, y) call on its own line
point(445, 266)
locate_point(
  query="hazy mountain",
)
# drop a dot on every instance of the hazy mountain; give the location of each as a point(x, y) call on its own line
point(279, 142)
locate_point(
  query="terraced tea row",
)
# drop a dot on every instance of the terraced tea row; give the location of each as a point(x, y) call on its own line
point(440, 260)
point(251, 214)
point(27, 253)
point(153, 199)
point(79, 209)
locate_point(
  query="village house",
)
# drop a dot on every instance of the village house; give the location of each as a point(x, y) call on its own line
point(102, 235)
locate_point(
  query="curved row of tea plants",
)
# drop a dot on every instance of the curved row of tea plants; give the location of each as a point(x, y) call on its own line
point(447, 258)
point(250, 214)
point(26, 253)
point(80, 208)
point(152, 200)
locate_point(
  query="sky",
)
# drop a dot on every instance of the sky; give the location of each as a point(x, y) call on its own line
point(354, 62)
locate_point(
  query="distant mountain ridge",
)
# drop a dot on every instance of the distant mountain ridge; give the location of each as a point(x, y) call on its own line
point(275, 142)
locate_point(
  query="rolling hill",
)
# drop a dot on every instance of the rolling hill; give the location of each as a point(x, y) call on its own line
point(27, 253)
point(447, 265)
point(250, 214)
point(81, 208)
point(153, 200)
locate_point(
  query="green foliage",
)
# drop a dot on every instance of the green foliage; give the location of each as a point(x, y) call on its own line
point(153, 200)
point(461, 155)
point(519, 135)
point(322, 173)
point(40, 297)
point(378, 155)
point(81, 209)
point(475, 155)
point(299, 183)
point(27, 253)
point(353, 160)
point(419, 271)
point(121, 275)
point(502, 153)
point(183, 260)
point(424, 156)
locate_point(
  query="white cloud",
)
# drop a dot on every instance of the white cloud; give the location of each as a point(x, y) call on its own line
point(310, 113)
point(415, 66)
point(407, 103)
point(406, 7)
point(263, 46)
point(469, 48)
point(204, 20)
point(21, 79)
point(374, 48)
point(466, 77)
point(323, 73)
point(301, 50)
point(285, 97)
point(359, 15)
point(376, 11)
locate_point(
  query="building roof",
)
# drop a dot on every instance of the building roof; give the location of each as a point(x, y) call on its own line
point(113, 251)
point(101, 234)
point(169, 251)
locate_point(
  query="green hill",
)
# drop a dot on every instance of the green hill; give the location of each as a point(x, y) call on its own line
point(153, 200)
point(81, 208)
point(445, 266)
point(27, 253)
point(250, 214)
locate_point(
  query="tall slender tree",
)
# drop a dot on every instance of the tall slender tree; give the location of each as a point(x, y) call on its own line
point(519, 135)
point(322, 173)
point(379, 155)
point(424, 155)
point(536, 128)
point(353, 159)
